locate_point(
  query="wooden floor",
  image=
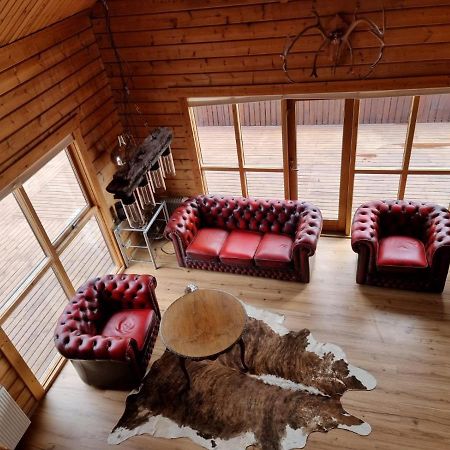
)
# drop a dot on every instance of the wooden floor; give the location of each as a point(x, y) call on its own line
point(402, 338)
point(57, 198)
point(319, 161)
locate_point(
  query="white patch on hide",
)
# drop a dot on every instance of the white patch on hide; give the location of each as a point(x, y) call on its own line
point(363, 376)
point(160, 426)
point(275, 321)
point(363, 429)
point(287, 384)
point(293, 438)
point(321, 349)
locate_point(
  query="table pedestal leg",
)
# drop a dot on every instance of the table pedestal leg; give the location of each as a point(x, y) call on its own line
point(242, 348)
point(186, 374)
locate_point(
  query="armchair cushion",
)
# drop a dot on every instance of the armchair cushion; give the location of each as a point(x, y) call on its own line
point(207, 244)
point(401, 251)
point(275, 251)
point(133, 323)
point(240, 248)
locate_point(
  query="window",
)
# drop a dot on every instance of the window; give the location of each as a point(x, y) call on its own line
point(51, 243)
point(335, 153)
point(241, 148)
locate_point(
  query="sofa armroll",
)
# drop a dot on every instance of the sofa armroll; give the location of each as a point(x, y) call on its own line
point(308, 229)
point(306, 237)
point(437, 235)
point(182, 227)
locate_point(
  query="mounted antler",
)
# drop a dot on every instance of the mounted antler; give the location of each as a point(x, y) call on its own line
point(339, 37)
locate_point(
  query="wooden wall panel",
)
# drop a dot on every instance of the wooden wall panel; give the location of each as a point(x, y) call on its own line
point(45, 81)
point(207, 48)
point(46, 78)
point(11, 380)
point(21, 18)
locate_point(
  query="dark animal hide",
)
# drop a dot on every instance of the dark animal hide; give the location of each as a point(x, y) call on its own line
point(292, 389)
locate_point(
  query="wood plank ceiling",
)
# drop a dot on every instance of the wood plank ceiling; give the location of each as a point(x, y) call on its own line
point(21, 18)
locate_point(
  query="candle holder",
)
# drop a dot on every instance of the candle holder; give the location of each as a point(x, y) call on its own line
point(133, 212)
point(168, 164)
point(157, 176)
point(145, 195)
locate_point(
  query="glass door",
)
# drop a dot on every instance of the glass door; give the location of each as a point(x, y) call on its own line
point(320, 156)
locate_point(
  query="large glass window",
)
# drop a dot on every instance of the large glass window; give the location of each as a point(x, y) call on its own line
point(241, 148)
point(335, 153)
point(51, 243)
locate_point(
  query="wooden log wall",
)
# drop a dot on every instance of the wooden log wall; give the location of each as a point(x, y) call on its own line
point(14, 384)
point(199, 48)
point(45, 79)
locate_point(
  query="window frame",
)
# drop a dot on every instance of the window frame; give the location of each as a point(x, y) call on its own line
point(349, 147)
point(53, 250)
point(242, 168)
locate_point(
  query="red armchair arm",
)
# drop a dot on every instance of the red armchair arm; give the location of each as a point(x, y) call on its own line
point(365, 237)
point(182, 228)
point(305, 240)
point(365, 227)
point(84, 346)
point(437, 236)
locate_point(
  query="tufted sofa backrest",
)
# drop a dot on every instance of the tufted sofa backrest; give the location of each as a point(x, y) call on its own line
point(401, 217)
point(229, 213)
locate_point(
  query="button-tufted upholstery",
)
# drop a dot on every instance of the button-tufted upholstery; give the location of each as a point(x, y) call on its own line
point(299, 220)
point(426, 222)
point(80, 337)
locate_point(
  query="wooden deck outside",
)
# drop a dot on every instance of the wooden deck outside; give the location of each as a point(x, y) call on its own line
point(319, 159)
point(57, 199)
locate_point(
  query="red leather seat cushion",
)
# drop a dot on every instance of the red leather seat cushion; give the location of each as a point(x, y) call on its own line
point(131, 323)
point(274, 251)
point(240, 247)
point(207, 244)
point(401, 252)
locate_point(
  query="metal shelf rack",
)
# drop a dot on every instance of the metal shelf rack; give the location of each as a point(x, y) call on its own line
point(149, 232)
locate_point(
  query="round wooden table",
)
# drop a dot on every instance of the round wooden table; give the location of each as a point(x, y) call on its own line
point(202, 325)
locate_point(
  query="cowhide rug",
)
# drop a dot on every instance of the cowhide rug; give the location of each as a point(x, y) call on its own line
point(293, 388)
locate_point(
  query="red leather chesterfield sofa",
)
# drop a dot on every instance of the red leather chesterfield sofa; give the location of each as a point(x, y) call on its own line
point(109, 328)
point(267, 238)
point(402, 244)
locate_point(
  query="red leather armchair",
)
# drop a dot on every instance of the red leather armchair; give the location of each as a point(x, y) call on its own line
point(109, 328)
point(402, 244)
point(268, 238)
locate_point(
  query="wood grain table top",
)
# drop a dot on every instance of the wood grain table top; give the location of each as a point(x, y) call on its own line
point(203, 323)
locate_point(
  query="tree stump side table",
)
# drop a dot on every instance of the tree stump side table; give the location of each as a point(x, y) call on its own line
point(203, 324)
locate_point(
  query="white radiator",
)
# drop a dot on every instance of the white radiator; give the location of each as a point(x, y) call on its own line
point(13, 421)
